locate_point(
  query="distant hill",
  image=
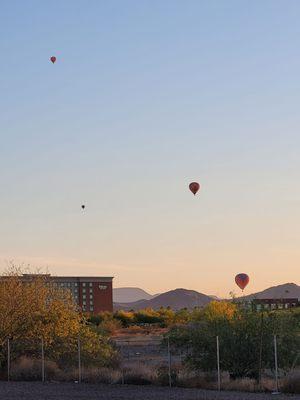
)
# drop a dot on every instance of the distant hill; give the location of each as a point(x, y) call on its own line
point(183, 298)
point(287, 290)
point(130, 294)
point(176, 299)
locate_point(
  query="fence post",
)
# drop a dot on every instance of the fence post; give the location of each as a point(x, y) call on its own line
point(8, 360)
point(260, 349)
point(218, 363)
point(43, 361)
point(276, 363)
point(79, 361)
point(169, 363)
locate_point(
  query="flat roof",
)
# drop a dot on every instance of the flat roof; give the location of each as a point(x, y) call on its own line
point(69, 278)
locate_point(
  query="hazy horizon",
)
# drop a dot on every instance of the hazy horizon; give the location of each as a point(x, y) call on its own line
point(144, 98)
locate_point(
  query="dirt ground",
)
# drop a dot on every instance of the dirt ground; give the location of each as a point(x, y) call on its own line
point(72, 391)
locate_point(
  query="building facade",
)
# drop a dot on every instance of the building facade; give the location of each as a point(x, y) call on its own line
point(91, 294)
point(275, 304)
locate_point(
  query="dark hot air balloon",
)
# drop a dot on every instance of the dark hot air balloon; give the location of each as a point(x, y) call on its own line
point(53, 59)
point(242, 280)
point(83, 206)
point(194, 187)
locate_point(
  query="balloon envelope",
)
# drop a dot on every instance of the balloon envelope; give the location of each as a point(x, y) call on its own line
point(242, 280)
point(53, 59)
point(83, 206)
point(194, 187)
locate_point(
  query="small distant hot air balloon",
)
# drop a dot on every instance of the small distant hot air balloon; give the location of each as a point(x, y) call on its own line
point(194, 187)
point(83, 206)
point(53, 59)
point(242, 280)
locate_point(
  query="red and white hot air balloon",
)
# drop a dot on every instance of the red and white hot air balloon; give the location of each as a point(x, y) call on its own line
point(53, 59)
point(194, 187)
point(242, 280)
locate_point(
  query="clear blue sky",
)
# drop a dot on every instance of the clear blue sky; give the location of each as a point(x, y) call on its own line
point(146, 96)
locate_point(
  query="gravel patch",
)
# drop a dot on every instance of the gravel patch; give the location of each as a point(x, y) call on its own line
point(72, 391)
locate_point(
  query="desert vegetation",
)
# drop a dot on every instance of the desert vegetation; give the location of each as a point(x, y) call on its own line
point(246, 339)
point(37, 314)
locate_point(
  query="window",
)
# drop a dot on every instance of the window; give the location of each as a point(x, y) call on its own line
point(83, 308)
point(91, 296)
point(91, 285)
point(91, 290)
point(84, 296)
point(91, 308)
point(84, 303)
point(91, 303)
point(83, 290)
point(102, 287)
point(84, 284)
point(76, 290)
point(76, 284)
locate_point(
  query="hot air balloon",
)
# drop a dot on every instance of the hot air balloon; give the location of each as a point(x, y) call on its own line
point(194, 187)
point(53, 59)
point(83, 206)
point(242, 280)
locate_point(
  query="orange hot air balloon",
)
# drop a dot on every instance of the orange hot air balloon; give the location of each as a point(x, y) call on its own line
point(53, 59)
point(194, 187)
point(242, 280)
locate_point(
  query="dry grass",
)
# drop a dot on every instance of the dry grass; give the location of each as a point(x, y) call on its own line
point(241, 385)
point(198, 380)
point(101, 375)
point(28, 369)
point(291, 384)
point(138, 373)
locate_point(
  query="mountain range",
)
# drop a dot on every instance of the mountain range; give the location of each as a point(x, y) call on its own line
point(183, 298)
point(130, 294)
point(287, 290)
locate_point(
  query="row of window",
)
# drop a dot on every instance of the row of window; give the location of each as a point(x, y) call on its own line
point(69, 284)
point(74, 286)
point(84, 290)
point(84, 296)
point(84, 308)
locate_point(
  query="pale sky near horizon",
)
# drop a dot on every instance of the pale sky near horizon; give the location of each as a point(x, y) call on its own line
point(145, 97)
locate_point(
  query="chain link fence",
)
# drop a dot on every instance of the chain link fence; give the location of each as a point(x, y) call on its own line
point(140, 359)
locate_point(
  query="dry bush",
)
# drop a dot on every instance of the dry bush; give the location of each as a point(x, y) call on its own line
point(109, 327)
point(241, 385)
point(101, 375)
point(192, 379)
point(162, 375)
point(267, 384)
point(134, 329)
point(138, 374)
point(291, 384)
point(28, 369)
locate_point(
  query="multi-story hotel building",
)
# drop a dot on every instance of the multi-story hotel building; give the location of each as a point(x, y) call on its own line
point(92, 294)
